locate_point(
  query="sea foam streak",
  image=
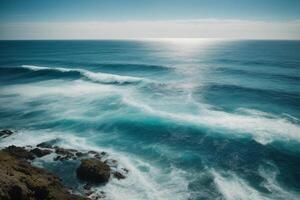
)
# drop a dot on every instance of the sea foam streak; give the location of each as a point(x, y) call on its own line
point(233, 187)
point(93, 76)
point(263, 129)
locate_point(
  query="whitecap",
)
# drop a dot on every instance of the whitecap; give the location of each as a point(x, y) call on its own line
point(93, 76)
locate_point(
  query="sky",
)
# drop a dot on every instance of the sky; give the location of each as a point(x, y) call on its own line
point(118, 19)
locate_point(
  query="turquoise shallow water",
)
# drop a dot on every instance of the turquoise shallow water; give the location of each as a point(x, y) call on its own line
point(190, 118)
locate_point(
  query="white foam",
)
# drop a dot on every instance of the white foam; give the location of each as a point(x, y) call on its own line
point(93, 76)
point(47, 88)
point(154, 184)
point(271, 184)
point(263, 128)
point(234, 188)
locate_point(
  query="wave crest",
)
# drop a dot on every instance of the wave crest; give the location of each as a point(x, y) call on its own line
point(93, 76)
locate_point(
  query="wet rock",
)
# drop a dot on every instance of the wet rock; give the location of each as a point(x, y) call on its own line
point(65, 154)
point(5, 133)
point(125, 170)
point(80, 154)
point(44, 145)
point(103, 153)
point(93, 170)
point(64, 158)
point(40, 152)
point(98, 156)
point(88, 192)
point(20, 181)
point(87, 186)
point(19, 152)
point(57, 158)
point(48, 144)
point(93, 152)
point(63, 151)
point(119, 175)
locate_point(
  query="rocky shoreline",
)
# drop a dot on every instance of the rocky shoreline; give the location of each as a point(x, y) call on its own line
point(19, 179)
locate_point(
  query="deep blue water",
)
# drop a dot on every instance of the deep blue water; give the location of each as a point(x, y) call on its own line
point(190, 119)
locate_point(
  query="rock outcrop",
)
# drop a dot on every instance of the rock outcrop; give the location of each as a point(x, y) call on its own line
point(93, 170)
point(21, 181)
point(19, 152)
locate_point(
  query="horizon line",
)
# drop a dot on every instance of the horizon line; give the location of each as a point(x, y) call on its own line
point(146, 38)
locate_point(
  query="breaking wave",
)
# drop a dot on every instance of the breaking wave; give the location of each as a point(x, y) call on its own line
point(93, 76)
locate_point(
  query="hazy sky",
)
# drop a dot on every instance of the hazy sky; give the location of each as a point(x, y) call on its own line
point(95, 19)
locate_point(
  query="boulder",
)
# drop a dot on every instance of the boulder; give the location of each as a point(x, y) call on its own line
point(93, 170)
point(19, 152)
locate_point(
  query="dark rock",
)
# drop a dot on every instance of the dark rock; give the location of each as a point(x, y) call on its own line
point(93, 170)
point(40, 192)
point(40, 152)
point(87, 189)
point(48, 144)
point(93, 152)
point(80, 154)
point(57, 158)
point(15, 192)
point(125, 170)
point(98, 156)
point(63, 158)
point(87, 186)
point(29, 182)
point(5, 133)
point(19, 152)
point(65, 154)
point(88, 192)
point(103, 153)
point(118, 175)
point(44, 145)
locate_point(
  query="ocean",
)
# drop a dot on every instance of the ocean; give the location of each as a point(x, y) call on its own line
point(190, 118)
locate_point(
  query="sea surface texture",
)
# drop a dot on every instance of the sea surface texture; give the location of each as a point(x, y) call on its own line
point(190, 119)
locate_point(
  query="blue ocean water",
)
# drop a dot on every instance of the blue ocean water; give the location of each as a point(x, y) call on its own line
point(190, 118)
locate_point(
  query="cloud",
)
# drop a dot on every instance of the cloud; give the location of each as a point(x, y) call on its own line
point(201, 28)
